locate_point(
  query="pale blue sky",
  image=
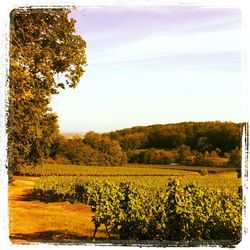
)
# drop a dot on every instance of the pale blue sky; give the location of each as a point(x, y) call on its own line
point(149, 65)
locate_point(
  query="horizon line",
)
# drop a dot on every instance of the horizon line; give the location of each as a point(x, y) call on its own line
point(133, 126)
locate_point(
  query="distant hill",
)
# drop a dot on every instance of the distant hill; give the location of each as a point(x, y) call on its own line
point(187, 143)
point(200, 136)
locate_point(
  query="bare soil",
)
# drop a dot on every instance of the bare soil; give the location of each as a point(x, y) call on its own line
point(32, 221)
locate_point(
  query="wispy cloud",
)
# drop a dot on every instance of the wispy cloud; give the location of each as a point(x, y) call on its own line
point(164, 45)
point(107, 27)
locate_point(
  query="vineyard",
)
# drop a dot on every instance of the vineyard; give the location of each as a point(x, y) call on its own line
point(126, 170)
point(149, 202)
point(146, 182)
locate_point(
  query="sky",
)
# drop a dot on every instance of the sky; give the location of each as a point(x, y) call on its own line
point(155, 65)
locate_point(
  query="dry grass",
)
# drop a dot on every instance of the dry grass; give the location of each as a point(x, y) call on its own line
point(35, 221)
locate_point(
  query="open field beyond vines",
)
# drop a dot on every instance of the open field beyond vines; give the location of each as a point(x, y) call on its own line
point(47, 208)
point(124, 170)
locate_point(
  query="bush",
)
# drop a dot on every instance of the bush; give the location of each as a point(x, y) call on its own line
point(62, 160)
point(150, 156)
point(203, 172)
point(235, 158)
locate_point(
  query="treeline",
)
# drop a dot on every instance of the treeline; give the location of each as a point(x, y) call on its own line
point(188, 143)
point(199, 136)
point(184, 156)
point(191, 143)
point(93, 150)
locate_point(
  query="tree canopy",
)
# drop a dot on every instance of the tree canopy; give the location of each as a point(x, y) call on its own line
point(200, 136)
point(92, 150)
point(188, 143)
point(45, 55)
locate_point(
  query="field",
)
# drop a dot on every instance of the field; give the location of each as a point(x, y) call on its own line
point(75, 200)
point(126, 170)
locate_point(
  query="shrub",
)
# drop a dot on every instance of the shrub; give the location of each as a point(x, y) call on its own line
point(203, 172)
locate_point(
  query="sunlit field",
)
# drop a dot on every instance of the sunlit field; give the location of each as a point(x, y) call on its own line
point(73, 190)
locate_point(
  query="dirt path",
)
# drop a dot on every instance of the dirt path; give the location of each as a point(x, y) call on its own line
point(34, 221)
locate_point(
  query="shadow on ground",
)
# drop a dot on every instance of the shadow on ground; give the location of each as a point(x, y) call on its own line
point(30, 195)
point(55, 236)
point(69, 238)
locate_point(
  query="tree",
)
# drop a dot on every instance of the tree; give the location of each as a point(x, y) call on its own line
point(184, 153)
point(225, 136)
point(76, 151)
point(235, 160)
point(109, 150)
point(45, 55)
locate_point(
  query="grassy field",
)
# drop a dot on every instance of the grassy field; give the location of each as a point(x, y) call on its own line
point(33, 220)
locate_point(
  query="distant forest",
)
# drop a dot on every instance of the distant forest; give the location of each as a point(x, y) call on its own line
point(187, 143)
point(200, 136)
